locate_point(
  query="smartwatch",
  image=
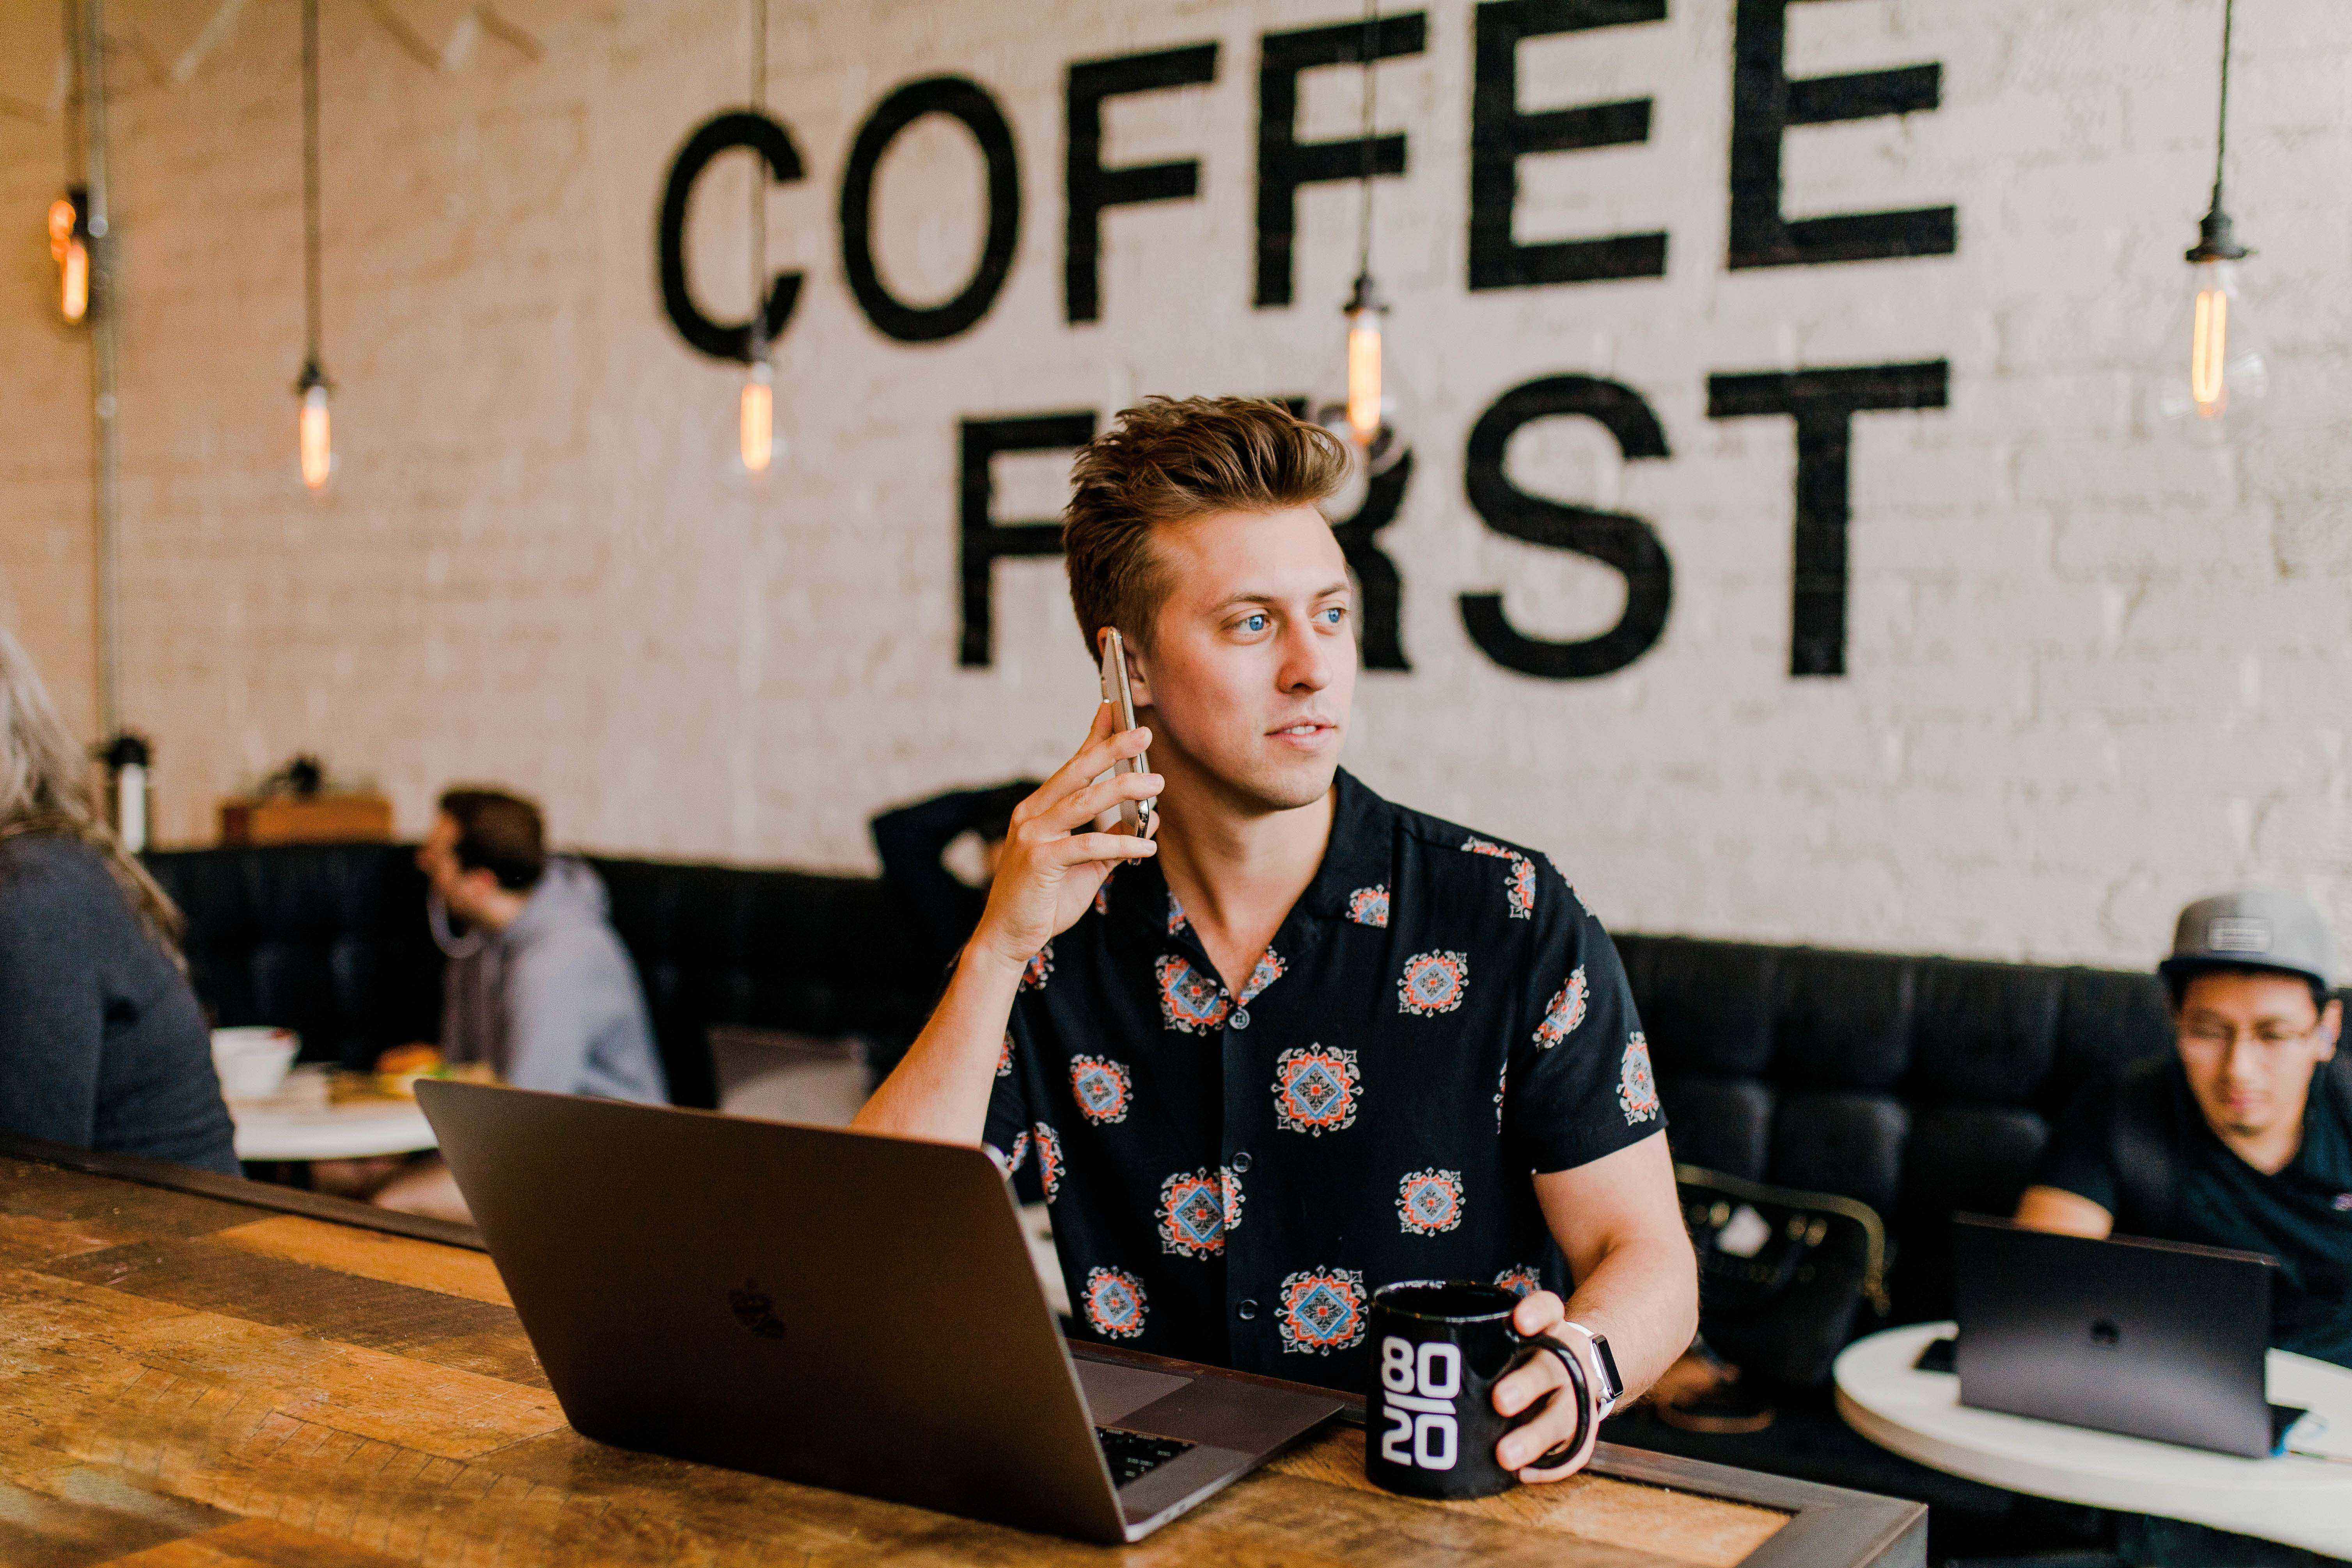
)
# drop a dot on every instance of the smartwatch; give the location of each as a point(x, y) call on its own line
point(1611, 1387)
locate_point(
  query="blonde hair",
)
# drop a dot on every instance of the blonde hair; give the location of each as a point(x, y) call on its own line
point(44, 788)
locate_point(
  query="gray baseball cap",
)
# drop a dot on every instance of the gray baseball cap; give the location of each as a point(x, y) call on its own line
point(2256, 928)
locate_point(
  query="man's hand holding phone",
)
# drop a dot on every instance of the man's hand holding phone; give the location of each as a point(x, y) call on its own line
point(1055, 859)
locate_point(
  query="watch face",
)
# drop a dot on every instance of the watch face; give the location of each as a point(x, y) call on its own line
point(1602, 1353)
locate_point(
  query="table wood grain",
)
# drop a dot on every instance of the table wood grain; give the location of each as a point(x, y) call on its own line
point(191, 1380)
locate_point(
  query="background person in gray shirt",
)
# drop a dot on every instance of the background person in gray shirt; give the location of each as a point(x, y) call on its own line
point(101, 1043)
point(538, 987)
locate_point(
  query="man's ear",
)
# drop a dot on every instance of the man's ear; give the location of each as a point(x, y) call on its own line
point(1138, 684)
point(2331, 1025)
point(1138, 678)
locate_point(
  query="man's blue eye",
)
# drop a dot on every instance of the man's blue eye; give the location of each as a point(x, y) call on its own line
point(1334, 615)
point(1254, 624)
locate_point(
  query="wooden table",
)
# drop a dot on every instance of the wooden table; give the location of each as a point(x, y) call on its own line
point(197, 1372)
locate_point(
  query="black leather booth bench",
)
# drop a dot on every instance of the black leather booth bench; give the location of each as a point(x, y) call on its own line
point(1920, 1086)
point(331, 941)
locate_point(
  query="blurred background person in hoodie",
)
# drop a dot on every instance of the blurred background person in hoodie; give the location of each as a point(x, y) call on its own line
point(538, 987)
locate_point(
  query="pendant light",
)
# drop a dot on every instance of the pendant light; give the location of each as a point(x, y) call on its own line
point(2216, 375)
point(758, 413)
point(313, 423)
point(1361, 400)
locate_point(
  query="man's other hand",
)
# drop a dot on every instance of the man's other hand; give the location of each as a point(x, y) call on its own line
point(1054, 861)
point(1541, 1378)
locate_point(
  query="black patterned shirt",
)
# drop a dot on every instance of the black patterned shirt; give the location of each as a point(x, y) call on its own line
point(1232, 1170)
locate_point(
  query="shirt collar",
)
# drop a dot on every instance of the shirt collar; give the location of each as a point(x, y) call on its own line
point(2315, 1155)
point(1361, 851)
point(1359, 856)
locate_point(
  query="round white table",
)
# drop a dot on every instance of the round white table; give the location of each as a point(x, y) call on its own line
point(2299, 1501)
point(300, 1123)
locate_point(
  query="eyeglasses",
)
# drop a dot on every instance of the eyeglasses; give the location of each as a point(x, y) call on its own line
point(2212, 1035)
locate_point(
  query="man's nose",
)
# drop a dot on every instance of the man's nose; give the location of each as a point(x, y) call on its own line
point(1306, 662)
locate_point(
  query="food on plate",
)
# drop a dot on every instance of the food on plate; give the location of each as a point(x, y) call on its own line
point(397, 1070)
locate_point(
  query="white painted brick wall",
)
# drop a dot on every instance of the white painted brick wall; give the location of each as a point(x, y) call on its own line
point(2096, 670)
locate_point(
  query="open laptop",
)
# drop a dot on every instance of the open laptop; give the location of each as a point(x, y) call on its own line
point(2150, 1339)
point(832, 1308)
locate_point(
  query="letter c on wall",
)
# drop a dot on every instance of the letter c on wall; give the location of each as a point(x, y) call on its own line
point(773, 144)
point(966, 101)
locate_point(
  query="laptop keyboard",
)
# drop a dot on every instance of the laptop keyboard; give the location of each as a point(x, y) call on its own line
point(1133, 1456)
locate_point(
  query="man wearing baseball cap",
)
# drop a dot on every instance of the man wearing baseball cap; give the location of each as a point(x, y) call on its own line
point(2243, 1137)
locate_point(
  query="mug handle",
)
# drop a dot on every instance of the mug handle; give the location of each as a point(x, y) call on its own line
point(1578, 1385)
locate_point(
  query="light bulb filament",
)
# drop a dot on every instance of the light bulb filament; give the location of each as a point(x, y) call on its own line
point(759, 418)
point(73, 276)
point(2209, 351)
point(1364, 377)
point(317, 438)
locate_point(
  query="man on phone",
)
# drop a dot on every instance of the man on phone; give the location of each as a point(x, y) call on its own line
point(1303, 1043)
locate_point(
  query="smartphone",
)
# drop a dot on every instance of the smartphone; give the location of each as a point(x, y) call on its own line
point(1134, 816)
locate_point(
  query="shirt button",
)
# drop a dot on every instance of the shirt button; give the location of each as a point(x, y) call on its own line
point(1241, 1017)
point(1242, 1162)
point(1248, 1310)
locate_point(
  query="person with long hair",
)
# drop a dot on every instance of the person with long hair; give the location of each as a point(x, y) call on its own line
point(103, 1045)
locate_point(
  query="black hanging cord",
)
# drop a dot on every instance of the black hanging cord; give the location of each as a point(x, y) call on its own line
point(759, 187)
point(1370, 52)
point(71, 117)
point(2221, 127)
point(313, 371)
point(2217, 239)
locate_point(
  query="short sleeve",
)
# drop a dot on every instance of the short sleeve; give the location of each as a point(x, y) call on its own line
point(1007, 1128)
point(2077, 1159)
point(1578, 1084)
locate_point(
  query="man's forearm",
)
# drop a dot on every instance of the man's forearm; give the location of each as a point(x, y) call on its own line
point(1620, 1224)
point(1644, 1297)
point(940, 1089)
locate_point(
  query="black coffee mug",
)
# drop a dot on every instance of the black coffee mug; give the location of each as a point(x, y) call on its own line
point(1438, 1348)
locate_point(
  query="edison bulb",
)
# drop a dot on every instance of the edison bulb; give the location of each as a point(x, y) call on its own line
point(2217, 375)
point(1363, 407)
point(316, 436)
point(759, 418)
point(70, 251)
point(1362, 401)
